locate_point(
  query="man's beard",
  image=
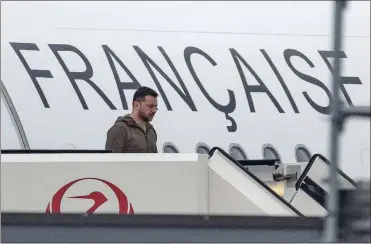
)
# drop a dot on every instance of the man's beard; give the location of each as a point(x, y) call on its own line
point(144, 117)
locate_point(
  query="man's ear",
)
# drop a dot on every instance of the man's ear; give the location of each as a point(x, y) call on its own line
point(136, 104)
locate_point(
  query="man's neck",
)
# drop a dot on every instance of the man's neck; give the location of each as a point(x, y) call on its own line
point(139, 121)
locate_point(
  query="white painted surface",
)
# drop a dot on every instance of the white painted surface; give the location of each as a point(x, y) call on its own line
point(174, 26)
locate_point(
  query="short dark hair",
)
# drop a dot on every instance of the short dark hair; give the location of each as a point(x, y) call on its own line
point(143, 91)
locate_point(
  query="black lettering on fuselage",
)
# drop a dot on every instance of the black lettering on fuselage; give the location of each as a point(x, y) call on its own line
point(83, 75)
point(343, 80)
point(252, 88)
point(226, 109)
point(33, 73)
point(121, 86)
point(280, 79)
point(149, 63)
point(288, 54)
point(181, 89)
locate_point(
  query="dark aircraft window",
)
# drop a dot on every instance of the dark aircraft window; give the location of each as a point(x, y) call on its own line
point(269, 152)
point(237, 152)
point(202, 148)
point(302, 154)
point(170, 148)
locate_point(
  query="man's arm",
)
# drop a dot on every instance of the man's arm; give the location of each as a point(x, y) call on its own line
point(116, 139)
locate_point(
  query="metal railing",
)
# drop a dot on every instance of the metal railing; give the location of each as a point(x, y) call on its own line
point(338, 116)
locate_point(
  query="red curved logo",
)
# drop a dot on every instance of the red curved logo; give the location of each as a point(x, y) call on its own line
point(99, 198)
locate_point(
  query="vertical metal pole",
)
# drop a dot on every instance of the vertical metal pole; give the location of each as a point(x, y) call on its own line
point(331, 222)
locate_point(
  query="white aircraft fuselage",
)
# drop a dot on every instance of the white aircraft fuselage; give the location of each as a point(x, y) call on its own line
point(248, 75)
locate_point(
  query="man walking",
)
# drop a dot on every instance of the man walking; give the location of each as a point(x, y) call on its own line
point(133, 133)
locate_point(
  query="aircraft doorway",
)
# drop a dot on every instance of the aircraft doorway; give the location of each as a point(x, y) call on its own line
point(11, 126)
